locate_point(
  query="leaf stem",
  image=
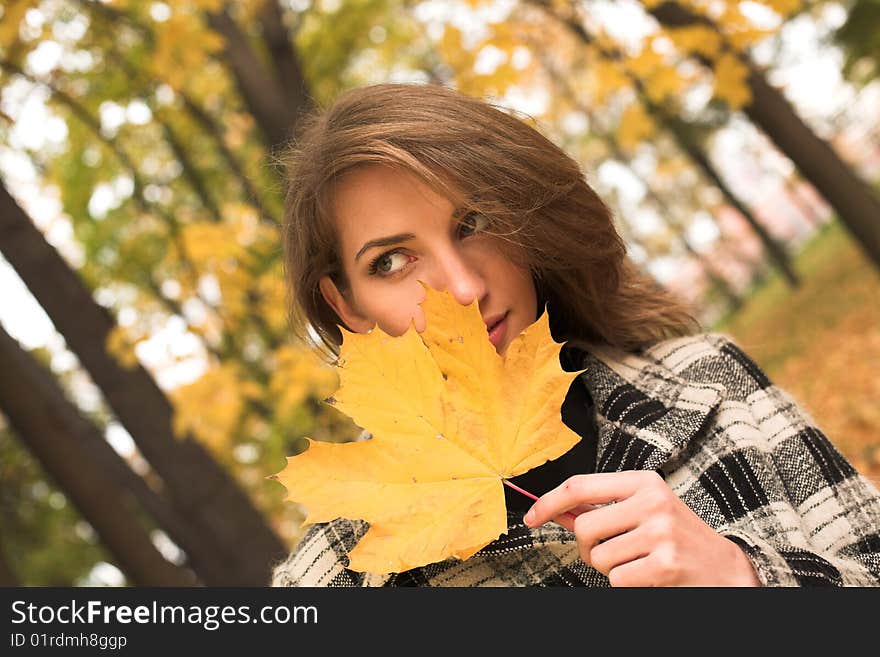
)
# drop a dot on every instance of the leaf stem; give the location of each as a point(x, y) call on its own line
point(523, 491)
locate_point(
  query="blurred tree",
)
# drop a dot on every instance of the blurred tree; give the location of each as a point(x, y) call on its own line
point(857, 205)
point(84, 465)
point(652, 83)
point(200, 489)
point(671, 215)
point(147, 259)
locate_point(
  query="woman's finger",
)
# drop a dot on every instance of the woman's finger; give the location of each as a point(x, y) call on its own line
point(608, 521)
point(617, 550)
point(653, 569)
point(603, 524)
point(596, 489)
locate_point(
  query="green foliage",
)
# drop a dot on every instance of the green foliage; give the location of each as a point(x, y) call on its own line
point(859, 36)
point(332, 39)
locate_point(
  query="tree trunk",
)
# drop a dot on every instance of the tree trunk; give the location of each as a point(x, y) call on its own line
point(266, 98)
point(857, 205)
point(283, 57)
point(61, 440)
point(200, 490)
point(116, 473)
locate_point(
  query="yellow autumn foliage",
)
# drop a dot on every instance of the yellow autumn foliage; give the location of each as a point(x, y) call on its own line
point(635, 126)
point(208, 243)
point(211, 407)
point(671, 166)
point(606, 80)
point(299, 374)
point(236, 286)
point(660, 78)
point(206, 5)
point(453, 51)
point(697, 39)
point(646, 63)
point(13, 15)
point(731, 84)
point(183, 45)
point(784, 8)
point(231, 253)
point(739, 31)
point(121, 347)
point(664, 83)
point(272, 295)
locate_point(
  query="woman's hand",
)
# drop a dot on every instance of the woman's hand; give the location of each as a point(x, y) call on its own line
point(631, 527)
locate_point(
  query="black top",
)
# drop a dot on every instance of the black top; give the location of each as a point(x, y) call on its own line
point(578, 415)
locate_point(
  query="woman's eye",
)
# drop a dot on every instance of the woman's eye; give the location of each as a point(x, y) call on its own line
point(472, 223)
point(388, 263)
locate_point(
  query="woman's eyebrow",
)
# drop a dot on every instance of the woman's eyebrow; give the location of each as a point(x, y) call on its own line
point(384, 241)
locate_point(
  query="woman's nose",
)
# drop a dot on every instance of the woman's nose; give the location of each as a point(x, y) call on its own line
point(461, 278)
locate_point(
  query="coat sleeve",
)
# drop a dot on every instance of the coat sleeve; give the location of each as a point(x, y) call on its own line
point(320, 557)
point(785, 494)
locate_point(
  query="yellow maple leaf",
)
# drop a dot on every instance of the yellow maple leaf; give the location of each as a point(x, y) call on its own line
point(450, 420)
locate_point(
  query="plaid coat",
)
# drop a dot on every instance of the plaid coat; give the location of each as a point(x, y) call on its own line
point(734, 447)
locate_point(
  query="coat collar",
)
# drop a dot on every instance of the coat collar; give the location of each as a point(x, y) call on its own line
point(649, 404)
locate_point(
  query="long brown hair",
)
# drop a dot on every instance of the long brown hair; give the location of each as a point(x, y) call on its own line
point(492, 162)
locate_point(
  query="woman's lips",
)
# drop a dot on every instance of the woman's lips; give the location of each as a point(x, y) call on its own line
point(497, 331)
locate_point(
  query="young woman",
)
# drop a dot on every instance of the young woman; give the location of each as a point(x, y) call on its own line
point(693, 468)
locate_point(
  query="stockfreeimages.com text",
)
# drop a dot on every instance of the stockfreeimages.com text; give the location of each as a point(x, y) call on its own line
point(210, 617)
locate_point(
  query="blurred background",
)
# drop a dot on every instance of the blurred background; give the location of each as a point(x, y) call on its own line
point(148, 383)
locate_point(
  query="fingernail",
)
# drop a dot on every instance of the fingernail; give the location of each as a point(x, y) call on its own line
point(529, 518)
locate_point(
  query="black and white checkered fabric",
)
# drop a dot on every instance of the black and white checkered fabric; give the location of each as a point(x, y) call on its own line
point(734, 447)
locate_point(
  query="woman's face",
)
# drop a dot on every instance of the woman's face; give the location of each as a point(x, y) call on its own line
point(394, 231)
